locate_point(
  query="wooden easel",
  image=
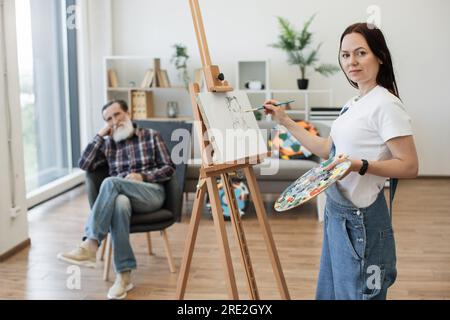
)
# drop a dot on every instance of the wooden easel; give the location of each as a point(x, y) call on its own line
point(207, 181)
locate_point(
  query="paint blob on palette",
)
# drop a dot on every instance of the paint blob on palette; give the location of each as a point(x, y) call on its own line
point(310, 185)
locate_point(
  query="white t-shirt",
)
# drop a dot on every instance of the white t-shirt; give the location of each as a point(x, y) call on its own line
point(361, 133)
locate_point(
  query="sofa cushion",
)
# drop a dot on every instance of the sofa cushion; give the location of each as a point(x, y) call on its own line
point(152, 217)
point(280, 169)
point(288, 146)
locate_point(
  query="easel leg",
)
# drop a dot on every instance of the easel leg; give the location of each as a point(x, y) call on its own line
point(240, 237)
point(222, 239)
point(190, 239)
point(267, 233)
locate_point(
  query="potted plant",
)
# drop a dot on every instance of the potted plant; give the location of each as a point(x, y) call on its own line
point(296, 44)
point(179, 59)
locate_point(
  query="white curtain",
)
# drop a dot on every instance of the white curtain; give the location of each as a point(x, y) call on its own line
point(94, 43)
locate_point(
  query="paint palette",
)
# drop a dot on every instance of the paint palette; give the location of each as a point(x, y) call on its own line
point(310, 185)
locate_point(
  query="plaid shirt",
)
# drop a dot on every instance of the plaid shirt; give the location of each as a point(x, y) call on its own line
point(144, 153)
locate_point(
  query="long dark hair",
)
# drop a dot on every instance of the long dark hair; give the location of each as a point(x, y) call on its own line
point(377, 43)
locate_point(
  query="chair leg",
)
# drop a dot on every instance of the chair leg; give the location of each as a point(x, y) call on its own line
point(185, 202)
point(168, 252)
point(103, 249)
point(149, 244)
point(109, 252)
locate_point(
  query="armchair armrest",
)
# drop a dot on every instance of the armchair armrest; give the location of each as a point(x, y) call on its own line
point(94, 180)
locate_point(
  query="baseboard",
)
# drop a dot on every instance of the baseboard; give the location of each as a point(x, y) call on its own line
point(8, 254)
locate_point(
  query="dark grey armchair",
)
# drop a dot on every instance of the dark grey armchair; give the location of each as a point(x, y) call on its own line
point(171, 210)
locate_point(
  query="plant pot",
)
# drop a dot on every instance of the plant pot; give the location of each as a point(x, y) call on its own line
point(302, 84)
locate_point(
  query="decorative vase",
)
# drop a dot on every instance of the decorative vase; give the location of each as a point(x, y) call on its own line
point(302, 84)
point(172, 109)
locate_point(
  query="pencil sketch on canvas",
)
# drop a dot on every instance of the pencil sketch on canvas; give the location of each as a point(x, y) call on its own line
point(234, 133)
point(236, 112)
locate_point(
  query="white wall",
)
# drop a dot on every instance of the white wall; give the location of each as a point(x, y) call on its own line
point(416, 31)
point(12, 181)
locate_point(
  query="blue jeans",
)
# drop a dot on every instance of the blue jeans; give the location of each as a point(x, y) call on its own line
point(111, 212)
point(358, 259)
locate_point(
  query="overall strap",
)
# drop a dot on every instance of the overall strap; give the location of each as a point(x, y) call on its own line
point(393, 182)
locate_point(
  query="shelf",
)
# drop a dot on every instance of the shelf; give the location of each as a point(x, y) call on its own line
point(295, 111)
point(259, 70)
point(131, 71)
point(254, 91)
point(247, 71)
point(129, 58)
point(126, 89)
point(170, 119)
point(301, 91)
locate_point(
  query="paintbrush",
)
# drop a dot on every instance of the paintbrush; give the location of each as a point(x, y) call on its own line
point(276, 105)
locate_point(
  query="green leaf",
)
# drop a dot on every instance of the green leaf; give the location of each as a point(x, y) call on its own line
point(305, 37)
point(327, 69)
point(286, 40)
point(312, 58)
point(296, 44)
point(179, 59)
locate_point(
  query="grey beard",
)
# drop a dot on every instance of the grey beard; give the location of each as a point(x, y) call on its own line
point(122, 133)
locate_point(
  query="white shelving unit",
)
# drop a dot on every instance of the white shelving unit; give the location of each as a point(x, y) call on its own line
point(258, 70)
point(130, 71)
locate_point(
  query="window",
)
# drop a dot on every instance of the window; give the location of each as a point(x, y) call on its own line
point(48, 90)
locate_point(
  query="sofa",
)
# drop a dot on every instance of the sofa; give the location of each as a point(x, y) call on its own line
point(288, 170)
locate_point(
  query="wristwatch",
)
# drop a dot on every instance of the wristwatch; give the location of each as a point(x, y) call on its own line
point(364, 167)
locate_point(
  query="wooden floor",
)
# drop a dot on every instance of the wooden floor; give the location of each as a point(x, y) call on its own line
point(421, 223)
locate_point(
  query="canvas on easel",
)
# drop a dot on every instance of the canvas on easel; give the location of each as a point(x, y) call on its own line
point(234, 133)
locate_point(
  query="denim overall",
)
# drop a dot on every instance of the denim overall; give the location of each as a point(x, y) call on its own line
point(358, 259)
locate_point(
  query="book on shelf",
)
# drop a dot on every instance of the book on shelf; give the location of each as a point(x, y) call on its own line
point(141, 104)
point(112, 79)
point(163, 79)
point(166, 78)
point(324, 113)
point(148, 79)
point(312, 118)
point(326, 109)
point(157, 68)
point(159, 79)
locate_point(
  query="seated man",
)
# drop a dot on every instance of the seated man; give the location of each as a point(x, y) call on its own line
point(138, 162)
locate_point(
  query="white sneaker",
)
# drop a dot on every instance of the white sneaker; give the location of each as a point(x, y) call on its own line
point(121, 286)
point(81, 255)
